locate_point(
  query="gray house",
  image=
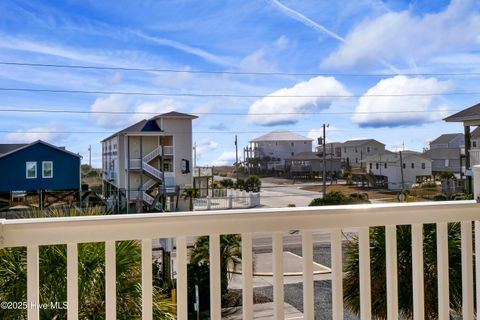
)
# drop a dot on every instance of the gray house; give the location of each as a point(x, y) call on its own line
point(446, 153)
point(354, 151)
point(311, 164)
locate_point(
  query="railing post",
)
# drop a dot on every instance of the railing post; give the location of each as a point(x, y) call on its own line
point(230, 202)
point(251, 200)
point(209, 203)
point(476, 196)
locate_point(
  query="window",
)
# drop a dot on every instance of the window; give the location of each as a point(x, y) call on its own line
point(474, 144)
point(356, 160)
point(423, 165)
point(47, 169)
point(356, 150)
point(376, 165)
point(185, 166)
point(446, 163)
point(344, 149)
point(293, 153)
point(31, 170)
point(413, 165)
point(370, 166)
point(404, 166)
point(368, 149)
point(385, 165)
point(291, 143)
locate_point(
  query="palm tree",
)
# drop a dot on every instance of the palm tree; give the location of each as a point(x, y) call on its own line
point(405, 288)
point(230, 252)
point(190, 194)
point(91, 285)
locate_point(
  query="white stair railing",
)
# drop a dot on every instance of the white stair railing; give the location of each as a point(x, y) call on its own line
point(147, 198)
point(152, 155)
point(147, 185)
point(153, 171)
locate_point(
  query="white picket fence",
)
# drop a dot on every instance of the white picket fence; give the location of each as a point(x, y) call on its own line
point(227, 199)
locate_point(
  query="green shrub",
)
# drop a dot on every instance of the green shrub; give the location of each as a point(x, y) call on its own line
point(359, 196)
point(240, 184)
point(462, 196)
point(440, 197)
point(252, 184)
point(332, 198)
point(291, 205)
point(227, 183)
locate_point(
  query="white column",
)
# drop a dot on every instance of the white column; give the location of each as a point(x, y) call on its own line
point(278, 294)
point(417, 272)
point(307, 255)
point(247, 274)
point(72, 281)
point(467, 270)
point(391, 269)
point(442, 265)
point(215, 278)
point(182, 291)
point(147, 281)
point(364, 272)
point(33, 283)
point(337, 274)
point(110, 281)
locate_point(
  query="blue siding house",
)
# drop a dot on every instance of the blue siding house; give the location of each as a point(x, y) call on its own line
point(38, 166)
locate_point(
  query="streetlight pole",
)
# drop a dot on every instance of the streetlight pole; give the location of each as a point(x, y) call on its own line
point(236, 156)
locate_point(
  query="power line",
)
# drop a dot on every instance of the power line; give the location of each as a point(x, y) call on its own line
point(42, 110)
point(232, 95)
point(227, 72)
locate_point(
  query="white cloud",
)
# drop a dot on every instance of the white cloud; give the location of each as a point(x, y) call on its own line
point(50, 133)
point(371, 108)
point(288, 110)
point(399, 36)
point(146, 110)
point(116, 103)
point(204, 146)
point(227, 158)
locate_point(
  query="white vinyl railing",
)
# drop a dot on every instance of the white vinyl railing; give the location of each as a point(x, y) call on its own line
point(32, 233)
point(153, 154)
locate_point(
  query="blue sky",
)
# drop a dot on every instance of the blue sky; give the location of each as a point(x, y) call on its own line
point(410, 43)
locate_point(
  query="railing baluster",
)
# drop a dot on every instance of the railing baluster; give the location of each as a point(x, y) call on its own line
point(110, 281)
point(337, 274)
point(417, 272)
point(364, 272)
point(147, 281)
point(33, 284)
point(72, 281)
point(215, 277)
point(247, 273)
point(391, 269)
point(467, 270)
point(477, 261)
point(442, 265)
point(182, 291)
point(278, 295)
point(307, 255)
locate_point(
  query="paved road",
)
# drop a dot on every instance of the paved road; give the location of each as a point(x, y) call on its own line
point(280, 196)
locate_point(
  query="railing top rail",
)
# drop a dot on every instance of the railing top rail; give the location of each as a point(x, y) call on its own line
point(43, 231)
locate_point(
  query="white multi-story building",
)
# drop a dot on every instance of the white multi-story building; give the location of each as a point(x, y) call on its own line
point(388, 164)
point(278, 146)
point(149, 158)
point(355, 151)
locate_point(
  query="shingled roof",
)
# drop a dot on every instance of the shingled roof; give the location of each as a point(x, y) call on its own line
point(469, 114)
point(281, 135)
point(445, 138)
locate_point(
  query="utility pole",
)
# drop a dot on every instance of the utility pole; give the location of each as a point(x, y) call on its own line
point(236, 156)
point(195, 154)
point(90, 155)
point(401, 170)
point(324, 161)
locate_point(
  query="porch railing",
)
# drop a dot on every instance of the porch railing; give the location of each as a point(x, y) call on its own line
point(32, 233)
